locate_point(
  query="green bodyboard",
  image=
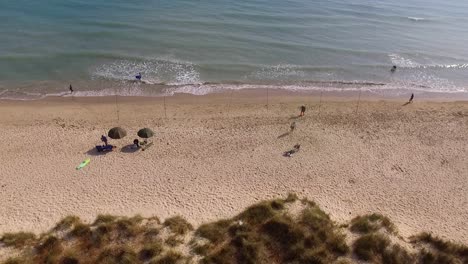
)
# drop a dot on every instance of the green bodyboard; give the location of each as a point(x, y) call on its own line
point(83, 164)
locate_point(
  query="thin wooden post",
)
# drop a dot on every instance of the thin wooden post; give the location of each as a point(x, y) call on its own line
point(359, 100)
point(267, 97)
point(165, 112)
point(320, 102)
point(230, 101)
point(117, 106)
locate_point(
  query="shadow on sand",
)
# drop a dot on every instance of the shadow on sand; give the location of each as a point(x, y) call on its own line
point(284, 135)
point(130, 148)
point(294, 117)
point(94, 152)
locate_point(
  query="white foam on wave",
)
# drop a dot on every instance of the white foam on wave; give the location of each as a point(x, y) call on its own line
point(416, 18)
point(421, 85)
point(277, 72)
point(216, 88)
point(133, 90)
point(403, 62)
point(21, 96)
point(446, 66)
point(155, 71)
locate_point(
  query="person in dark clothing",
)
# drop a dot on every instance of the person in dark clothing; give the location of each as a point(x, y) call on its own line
point(71, 88)
point(104, 139)
point(303, 108)
point(136, 142)
point(292, 126)
point(393, 68)
point(411, 98)
point(292, 151)
point(138, 77)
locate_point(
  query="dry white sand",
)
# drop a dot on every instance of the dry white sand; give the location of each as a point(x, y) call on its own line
point(214, 156)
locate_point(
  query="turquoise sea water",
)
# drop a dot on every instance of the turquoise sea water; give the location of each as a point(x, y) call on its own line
point(208, 45)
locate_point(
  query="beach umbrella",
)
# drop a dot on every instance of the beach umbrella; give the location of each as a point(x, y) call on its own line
point(117, 133)
point(145, 133)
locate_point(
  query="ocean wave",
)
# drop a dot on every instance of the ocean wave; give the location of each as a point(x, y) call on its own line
point(21, 96)
point(156, 71)
point(416, 18)
point(280, 71)
point(404, 62)
point(446, 66)
point(336, 86)
point(419, 82)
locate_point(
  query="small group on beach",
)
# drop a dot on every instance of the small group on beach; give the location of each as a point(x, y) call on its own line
point(137, 144)
point(119, 133)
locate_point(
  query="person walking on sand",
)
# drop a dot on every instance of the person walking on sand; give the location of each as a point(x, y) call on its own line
point(303, 108)
point(411, 98)
point(71, 89)
point(293, 126)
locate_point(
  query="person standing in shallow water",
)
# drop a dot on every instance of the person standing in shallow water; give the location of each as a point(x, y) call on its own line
point(138, 77)
point(71, 89)
point(303, 109)
point(393, 69)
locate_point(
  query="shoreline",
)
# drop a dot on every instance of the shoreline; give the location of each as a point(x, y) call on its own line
point(348, 95)
point(214, 155)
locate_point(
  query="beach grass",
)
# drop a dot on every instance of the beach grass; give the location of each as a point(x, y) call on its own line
point(67, 222)
point(371, 223)
point(178, 225)
point(266, 232)
point(437, 250)
point(19, 239)
point(150, 251)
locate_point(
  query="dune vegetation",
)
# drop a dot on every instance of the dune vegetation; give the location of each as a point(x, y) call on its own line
point(286, 230)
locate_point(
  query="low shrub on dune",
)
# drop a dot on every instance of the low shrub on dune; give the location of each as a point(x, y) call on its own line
point(440, 251)
point(171, 257)
point(17, 240)
point(377, 248)
point(67, 223)
point(371, 223)
point(150, 251)
point(178, 225)
point(266, 232)
point(276, 231)
point(48, 250)
point(104, 219)
point(118, 255)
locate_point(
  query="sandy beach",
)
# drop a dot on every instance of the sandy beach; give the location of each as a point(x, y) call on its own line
point(214, 155)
